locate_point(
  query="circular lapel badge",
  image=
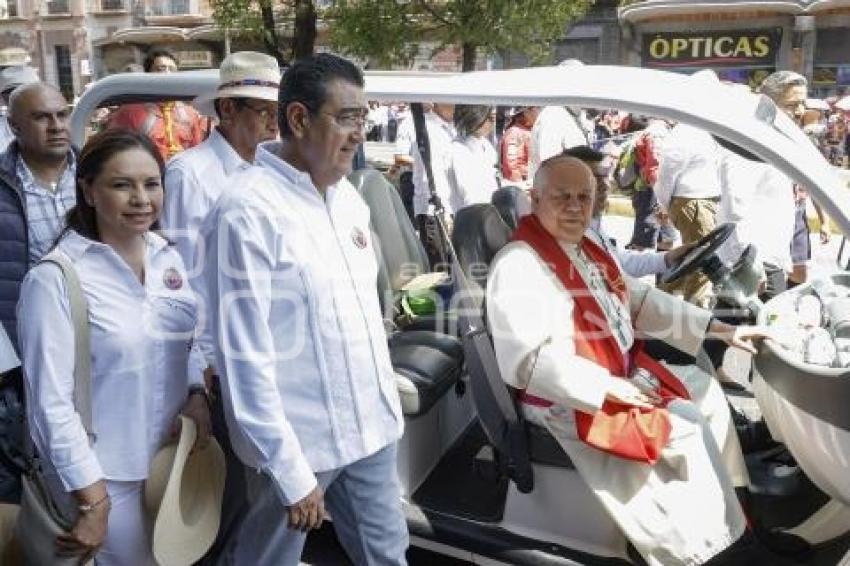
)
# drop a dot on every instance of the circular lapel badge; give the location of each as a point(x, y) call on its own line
point(172, 279)
point(359, 238)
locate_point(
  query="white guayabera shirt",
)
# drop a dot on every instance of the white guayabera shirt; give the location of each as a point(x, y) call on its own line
point(297, 327)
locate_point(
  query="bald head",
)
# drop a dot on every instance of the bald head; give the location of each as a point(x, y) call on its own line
point(38, 116)
point(563, 197)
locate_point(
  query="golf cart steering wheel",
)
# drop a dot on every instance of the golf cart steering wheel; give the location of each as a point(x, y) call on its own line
point(699, 254)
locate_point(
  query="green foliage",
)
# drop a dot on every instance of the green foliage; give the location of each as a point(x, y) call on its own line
point(389, 31)
point(242, 18)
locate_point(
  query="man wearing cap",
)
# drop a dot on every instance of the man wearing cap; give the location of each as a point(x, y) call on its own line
point(10, 79)
point(173, 126)
point(245, 103)
point(309, 387)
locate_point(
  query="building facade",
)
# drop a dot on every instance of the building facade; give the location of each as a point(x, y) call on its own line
point(742, 40)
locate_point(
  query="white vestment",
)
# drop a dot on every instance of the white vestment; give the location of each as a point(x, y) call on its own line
point(682, 509)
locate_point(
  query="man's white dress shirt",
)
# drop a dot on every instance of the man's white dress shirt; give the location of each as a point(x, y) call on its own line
point(472, 176)
point(143, 359)
point(555, 130)
point(633, 262)
point(760, 201)
point(194, 180)
point(307, 378)
point(440, 136)
point(689, 166)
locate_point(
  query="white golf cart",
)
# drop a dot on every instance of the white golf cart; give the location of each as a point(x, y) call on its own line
point(479, 483)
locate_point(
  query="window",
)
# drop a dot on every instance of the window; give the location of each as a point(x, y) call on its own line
point(58, 7)
point(8, 9)
point(168, 8)
point(64, 72)
point(108, 5)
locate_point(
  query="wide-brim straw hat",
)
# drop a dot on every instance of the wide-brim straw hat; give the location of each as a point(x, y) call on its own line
point(183, 497)
point(245, 74)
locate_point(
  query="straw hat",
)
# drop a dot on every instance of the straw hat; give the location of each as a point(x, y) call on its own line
point(183, 496)
point(246, 74)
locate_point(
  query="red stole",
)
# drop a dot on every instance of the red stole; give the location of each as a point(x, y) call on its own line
point(622, 430)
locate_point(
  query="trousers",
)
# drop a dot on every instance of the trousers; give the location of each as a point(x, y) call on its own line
point(363, 499)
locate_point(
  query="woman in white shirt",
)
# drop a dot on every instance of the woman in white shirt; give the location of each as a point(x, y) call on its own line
point(145, 369)
point(474, 162)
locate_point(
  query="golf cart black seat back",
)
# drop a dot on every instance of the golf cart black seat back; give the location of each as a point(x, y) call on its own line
point(401, 255)
point(479, 234)
point(512, 203)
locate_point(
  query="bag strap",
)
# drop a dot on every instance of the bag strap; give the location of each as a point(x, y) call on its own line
point(82, 344)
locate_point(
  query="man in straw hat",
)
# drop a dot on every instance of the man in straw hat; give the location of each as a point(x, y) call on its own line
point(308, 383)
point(245, 103)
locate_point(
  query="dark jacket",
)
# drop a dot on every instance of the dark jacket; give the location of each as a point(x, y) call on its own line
point(14, 241)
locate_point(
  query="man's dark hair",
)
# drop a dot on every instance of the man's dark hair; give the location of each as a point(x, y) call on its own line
point(151, 56)
point(306, 81)
point(585, 153)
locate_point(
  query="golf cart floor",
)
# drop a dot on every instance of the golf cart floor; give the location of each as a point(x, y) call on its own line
point(465, 483)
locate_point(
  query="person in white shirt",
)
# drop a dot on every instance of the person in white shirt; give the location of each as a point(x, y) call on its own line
point(245, 103)
point(472, 172)
point(635, 263)
point(439, 124)
point(309, 388)
point(688, 187)
point(557, 128)
point(145, 370)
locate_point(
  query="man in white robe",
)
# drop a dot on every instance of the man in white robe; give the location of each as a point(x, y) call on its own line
point(681, 509)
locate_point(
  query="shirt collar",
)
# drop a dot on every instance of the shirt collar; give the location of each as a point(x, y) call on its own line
point(230, 160)
point(268, 157)
point(75, 245)
point(27, 179)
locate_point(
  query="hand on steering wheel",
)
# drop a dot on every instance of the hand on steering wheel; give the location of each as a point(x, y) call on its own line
point(699, 253)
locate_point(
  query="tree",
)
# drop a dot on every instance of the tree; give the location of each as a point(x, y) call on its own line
point(259, 20)
point(389, 32)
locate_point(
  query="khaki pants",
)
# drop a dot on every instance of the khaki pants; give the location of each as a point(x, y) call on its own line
point(694, 218)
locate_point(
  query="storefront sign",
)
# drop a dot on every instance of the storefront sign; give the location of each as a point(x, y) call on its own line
point(194, 59)
point(712, 49)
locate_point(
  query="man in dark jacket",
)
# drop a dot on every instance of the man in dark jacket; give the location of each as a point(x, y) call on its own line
point(37, 189)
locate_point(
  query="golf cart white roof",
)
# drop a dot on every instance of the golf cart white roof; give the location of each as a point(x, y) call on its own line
point(748, 121)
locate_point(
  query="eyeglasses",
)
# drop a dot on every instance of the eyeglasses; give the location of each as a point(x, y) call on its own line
point(264, 113)
point(353, 118)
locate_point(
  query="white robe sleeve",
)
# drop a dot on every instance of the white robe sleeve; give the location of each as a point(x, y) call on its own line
point(530, 318)
point(659, 315)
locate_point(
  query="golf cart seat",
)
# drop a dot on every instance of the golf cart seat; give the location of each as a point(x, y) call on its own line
point(427, 363)
point(402, 254)
point(512, 203)
point(479, 234)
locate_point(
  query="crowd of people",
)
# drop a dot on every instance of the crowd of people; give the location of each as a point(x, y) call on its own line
point(229, 274)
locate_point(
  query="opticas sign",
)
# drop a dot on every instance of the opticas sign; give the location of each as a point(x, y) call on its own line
point(712, 49)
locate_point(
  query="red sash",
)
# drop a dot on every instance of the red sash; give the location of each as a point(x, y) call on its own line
point(622, 430)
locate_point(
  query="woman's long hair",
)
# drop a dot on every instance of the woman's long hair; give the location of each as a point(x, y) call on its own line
point(99, 149)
